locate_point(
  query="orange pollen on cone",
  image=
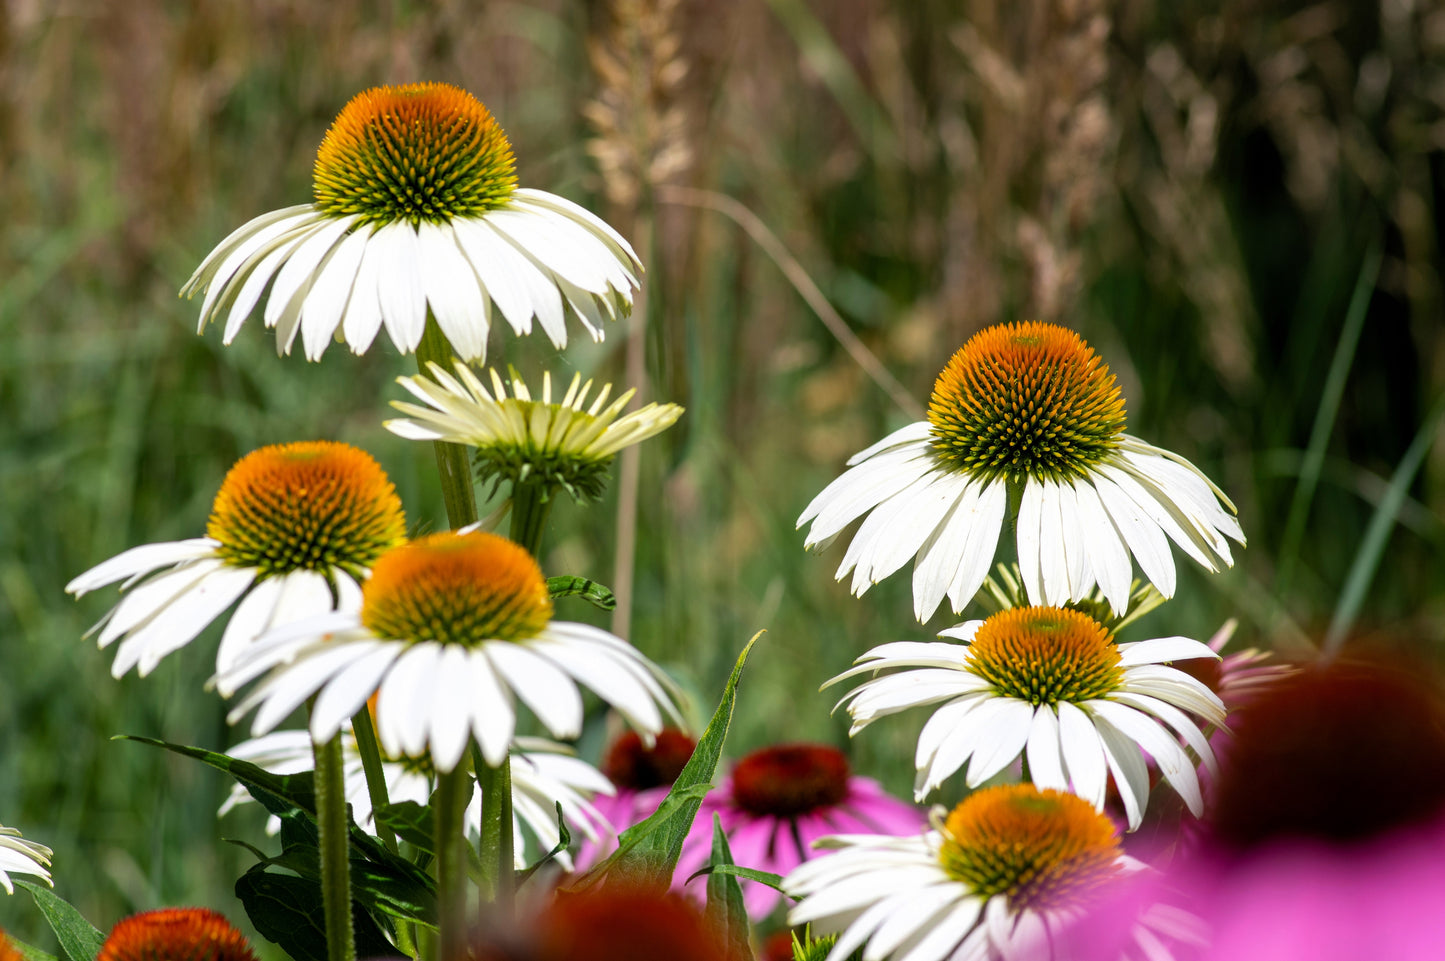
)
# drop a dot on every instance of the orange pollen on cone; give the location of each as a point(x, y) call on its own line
point(419, 152)
point(175, 934)
point(457, 589)
point(1026, 400)
point(1044, 655)
point(1039, 848)
point(315, 505)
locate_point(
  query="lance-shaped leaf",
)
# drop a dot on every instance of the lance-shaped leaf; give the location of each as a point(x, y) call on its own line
point(725, 898)
point(78, 937)
point(648, 851)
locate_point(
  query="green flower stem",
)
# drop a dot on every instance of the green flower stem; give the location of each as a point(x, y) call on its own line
point(449, 808)
point(453, 462)
point(370, 753)
point(335, 859)
point(531, 503)
point(496, 826)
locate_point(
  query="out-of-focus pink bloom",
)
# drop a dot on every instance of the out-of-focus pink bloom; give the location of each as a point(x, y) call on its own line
point(1326, 841)
point(776, 803)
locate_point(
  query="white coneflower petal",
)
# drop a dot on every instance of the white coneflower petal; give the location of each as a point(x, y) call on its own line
point(1028, 408)
point(19, 856)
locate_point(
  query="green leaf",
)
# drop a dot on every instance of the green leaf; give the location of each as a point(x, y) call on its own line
point(725, 897)
point(292, 798)
point(287, 910)
point(378, 887)
point(278, 793)
point(774, 881)
point(564, 840)
point(78, 938)
point(648, 851)
point(569, 585)
point(411, 822)
point(28, 951)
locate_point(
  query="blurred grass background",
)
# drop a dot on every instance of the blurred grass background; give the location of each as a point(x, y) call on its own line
point(1196, 187)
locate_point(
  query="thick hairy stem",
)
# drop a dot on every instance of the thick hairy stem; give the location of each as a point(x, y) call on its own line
point(335, 864)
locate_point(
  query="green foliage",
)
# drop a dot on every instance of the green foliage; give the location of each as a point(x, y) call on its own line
point(78, 938)
point(569, 585)
point(725, 897)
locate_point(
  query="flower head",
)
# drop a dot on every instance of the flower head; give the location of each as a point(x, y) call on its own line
point(19, 856)
point(1005, 872)
point(779, 800)
point(616, 921)
point(416, 211)
point(451, 628)
point(1048, 684)
point(293, 529)
point(1327, 823)
point(175, 934)
point(544, 773)
point(1024, 412)
point(567, 443)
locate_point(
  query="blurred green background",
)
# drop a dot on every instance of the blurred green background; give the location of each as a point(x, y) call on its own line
point(1197, 187)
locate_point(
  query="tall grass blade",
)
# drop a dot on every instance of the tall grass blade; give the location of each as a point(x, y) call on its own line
point(1324, 425)
point(1377, 535)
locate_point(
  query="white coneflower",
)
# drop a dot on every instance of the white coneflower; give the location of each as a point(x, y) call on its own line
point(19, 856)
point(293, 529)
point(1050, 685)
point(452, 627)
point(568, 442)
point(1028, 412)
point(1006, 875)
point(416, 208)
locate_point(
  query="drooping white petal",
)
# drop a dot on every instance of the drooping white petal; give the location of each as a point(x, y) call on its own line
point(140, 560)
point(297, 275)
point(1144, 538)
point(398, 285)
point(542, 686)
point(1173, 763)
point(1131, 777)
point(451, 288)
point(982, 542)
point(1030, 518)
point(938, 559)
point(324, 306)
point(1046, 767)
point(1083, 754)
point(493, 717)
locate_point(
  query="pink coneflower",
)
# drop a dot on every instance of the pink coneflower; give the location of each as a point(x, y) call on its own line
point(1328, 824)
point(777, 802)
